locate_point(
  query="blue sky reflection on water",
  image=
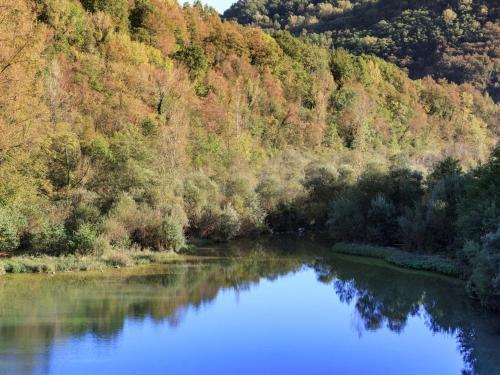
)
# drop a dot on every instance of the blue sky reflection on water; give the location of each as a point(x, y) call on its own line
point(293, 325)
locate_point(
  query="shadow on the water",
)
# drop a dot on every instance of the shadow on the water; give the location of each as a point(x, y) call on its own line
point(387, 297)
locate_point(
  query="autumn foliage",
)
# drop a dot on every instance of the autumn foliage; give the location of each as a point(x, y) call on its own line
point(135, 123)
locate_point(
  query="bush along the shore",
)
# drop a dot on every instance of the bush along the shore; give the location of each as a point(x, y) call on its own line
point(450, 214)
point(110, 258)
point(401, 258)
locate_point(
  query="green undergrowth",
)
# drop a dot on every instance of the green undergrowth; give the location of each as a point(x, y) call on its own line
point(71, 263)
point(401, 258)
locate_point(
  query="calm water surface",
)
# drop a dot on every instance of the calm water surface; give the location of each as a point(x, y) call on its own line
point(257, 314)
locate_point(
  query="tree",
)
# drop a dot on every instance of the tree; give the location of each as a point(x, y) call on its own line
point(64, 156)
point(117, 9)
point(20, 84)
point(10, 223)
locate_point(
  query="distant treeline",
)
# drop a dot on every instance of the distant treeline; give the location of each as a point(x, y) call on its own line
point(456, 40)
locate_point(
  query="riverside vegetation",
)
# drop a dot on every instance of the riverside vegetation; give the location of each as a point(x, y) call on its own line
point(128, 127)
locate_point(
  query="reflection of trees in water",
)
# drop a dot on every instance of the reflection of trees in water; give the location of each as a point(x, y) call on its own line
point(43, 310)
point(387, 297)
point(40, 311)
point(376, 313)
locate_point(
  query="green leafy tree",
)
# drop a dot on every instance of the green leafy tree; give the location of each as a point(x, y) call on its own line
point(10, 223)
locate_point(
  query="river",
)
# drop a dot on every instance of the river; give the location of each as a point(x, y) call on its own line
point(253, 309)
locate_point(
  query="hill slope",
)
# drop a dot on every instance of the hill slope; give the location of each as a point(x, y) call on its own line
point(457, 40)
point(147, 104)
point(134, 124)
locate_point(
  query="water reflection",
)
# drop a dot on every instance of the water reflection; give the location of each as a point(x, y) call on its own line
point(37, 313)
point(384, 296)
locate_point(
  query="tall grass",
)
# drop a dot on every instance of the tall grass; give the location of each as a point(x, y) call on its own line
point(401, 258)
point(109, 259)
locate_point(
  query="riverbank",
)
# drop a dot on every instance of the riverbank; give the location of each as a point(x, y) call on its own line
point(131, 258)
point(401, 258)
point(76, 263)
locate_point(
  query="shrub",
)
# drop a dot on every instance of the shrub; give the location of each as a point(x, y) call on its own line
point(37, 265)
point(479, 210)
point(171, 234)
point(466, 256)
point(115, 232)
point(12, 266)
point(445, 168)
point(239, 192)
point(83, 210)
point(29, 265)
point(322, 183)
point(403, 187)
point(412, 228)
point(123, 218)
point(345, 219)
point(484, 281)
point(117, 259)
point(101, 246)
point(10, 223)
point(286, 218)
point(228, 224)
point(201, 196)
point(84, 240)
point(382, 225)
point(158, 223)
point(269, 192)
point(52, 239)
point(441, 212)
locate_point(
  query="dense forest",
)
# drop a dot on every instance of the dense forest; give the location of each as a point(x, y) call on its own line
point(456, 40)
point(140, 124)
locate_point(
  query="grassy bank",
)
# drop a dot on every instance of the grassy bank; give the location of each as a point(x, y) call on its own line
point(401, 258)
point(67, 263)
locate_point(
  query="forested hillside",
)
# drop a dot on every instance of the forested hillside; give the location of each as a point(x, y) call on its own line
point(457, 40)
point(140, 123)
